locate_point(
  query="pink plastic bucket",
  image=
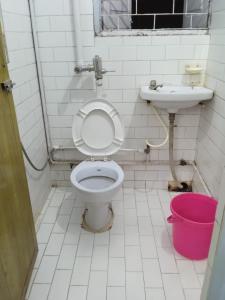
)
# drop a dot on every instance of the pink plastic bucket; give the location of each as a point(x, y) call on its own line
point(193, 217)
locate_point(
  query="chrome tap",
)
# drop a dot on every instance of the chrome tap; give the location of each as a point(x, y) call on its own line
point(95, 67)
point(154, 86)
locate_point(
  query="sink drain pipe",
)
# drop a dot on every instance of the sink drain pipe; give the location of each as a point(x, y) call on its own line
point(169, 137)
point(171, 144)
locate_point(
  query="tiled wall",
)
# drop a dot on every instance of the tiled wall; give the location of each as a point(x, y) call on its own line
point(136, 61)
point(26, 95)
point(211, 150)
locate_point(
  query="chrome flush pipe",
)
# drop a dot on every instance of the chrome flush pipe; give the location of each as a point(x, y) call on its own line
point(95, 67)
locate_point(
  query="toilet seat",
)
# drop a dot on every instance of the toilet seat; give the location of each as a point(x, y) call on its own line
point(97, 129)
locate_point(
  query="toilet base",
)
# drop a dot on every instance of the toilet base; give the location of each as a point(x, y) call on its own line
point(97, 219)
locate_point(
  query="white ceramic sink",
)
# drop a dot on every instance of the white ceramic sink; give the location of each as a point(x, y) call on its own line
point(174, 98)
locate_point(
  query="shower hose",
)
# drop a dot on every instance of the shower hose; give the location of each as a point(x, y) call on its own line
point(31, 163)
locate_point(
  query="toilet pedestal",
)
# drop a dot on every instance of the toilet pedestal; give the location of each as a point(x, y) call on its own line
point(98, 218)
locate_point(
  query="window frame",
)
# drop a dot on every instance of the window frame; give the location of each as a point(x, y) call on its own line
point(99, 31)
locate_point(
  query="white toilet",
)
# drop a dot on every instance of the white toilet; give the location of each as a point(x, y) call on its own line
point(98, 133)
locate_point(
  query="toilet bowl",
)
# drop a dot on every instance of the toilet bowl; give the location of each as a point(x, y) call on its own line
point(95, 184)
point(98, 133)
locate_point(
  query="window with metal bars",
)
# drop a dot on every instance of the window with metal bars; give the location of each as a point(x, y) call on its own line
point(150, 14)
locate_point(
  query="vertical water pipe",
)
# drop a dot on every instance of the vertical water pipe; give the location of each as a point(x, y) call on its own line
point(39, 76)
point(77, 31)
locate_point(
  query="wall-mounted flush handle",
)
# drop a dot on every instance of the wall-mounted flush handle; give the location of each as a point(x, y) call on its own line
point(7, 85)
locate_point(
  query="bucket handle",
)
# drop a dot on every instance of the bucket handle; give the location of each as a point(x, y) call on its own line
point(171, 219)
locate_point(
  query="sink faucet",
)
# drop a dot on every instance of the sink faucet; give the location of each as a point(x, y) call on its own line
point(95, 67)
point(153, 85)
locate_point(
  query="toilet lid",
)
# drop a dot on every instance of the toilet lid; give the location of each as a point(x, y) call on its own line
point(97, 129)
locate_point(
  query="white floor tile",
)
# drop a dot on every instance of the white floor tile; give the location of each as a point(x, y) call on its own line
point(100, 258)
point(162, 237)
point(133, 258)
point(130, 216)
point(67, 257)
point(131, 235)
point(145, 226)
point(46, 270)
point(72, 234)
point(66, 207)
point(142, 209)
point(116, 272)
point(166, 260)
point(201, 278)
point(157, 217)
point(187, 273)
point(140, 195)
point(33, 275)
point(153, 201)
point(129, 201)
point(172, 286)
point(60, 285)
point(55, 244)
point(81, 271)
point(97, 285)
point(152, 273)
point(118, 225)
point(192, 294)
point(135, 286)
point(148, 247)
point(79, 203)
point(155, 294)
point(39, 292)
point(61, 224)
point(102, 238)
point(41, 250)
point(57, 199)
point(116, 246)
point(77, 293)
point(114, 293)
point(76, 216)
point(117, 207)
point(200, 266)
point(50, 215)
point(85, 246)
point(44, 233)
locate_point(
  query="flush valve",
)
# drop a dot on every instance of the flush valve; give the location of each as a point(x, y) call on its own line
point(96, 67)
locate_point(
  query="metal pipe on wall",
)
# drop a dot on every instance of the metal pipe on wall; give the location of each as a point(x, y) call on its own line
point(39, 76)
point(77, 31)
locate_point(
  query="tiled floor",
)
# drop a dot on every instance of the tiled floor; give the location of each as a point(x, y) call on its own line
point(134, 261)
